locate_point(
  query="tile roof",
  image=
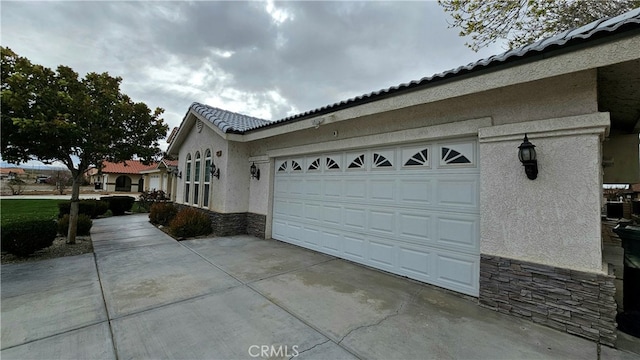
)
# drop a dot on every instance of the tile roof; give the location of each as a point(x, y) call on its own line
point(230, 122)
point(227, 121)
point(12, 170)
point(126, 167)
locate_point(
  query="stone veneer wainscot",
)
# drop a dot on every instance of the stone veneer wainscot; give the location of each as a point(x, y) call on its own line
point(575, 302)
point(234, 223)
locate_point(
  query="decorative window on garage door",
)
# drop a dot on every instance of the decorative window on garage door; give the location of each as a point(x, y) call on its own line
point(314, 165)
point(382, 159)
point(283, 167)
point(457, 154)
point(416, 157)
point(355, 161)
point(295, 165)
point(333, 162)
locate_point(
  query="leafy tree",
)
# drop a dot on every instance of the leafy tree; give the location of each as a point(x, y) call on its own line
point(522, 22)
point(53, 115)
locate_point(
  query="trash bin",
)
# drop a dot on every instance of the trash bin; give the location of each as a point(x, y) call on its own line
point(614, 210)
point(629, 321)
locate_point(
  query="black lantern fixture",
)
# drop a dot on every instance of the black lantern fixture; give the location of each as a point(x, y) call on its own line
point(255, 172)
point(527, 156)
point(176, 172)
point(215, 172)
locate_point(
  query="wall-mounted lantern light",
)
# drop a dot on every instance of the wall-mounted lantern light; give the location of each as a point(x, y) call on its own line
point(176, 172)
point(215, 171)
point(527, 156)
point(255, 172)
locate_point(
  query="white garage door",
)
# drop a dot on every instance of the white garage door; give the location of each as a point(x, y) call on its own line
point(154, 182)
point(411, 210)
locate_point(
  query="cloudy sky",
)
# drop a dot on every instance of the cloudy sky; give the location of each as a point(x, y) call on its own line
point(261, 58)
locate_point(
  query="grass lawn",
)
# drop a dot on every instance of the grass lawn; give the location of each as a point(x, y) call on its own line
point(11, 210)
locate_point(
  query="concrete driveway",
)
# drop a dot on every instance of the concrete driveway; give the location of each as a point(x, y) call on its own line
point(145, 296)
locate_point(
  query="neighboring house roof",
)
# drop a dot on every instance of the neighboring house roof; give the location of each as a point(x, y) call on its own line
point(170, 162)
point(230, 122)
point(7, 171)
point(166, 164)
point(126, 167)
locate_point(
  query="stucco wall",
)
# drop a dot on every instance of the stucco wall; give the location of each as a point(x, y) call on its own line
point(555, 219)
point(201, 141)
point(259, 190)
point(559, 96)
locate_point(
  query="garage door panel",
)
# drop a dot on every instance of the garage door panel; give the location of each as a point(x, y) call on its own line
point(280, 229)
point(415, 227)
point(415, 192)
point(355, 248)
point(415, 262)
point(382, 190)
point(457, 192)
point(458, 232)
point(280, 208)
point(332, 188)
point(281, 187)
point(332, 215)
point(311, 237)
point(294, 209)
point(332, 242)
point(458, 271)
point(312, 212)
point(355, 218)
point(313, 187)
point(382, 254)
point(355, 189)
point(412, 210)
point(382, 222)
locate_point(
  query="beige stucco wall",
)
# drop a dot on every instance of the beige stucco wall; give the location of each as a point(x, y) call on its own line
point(555, 219)
point(551, 98)
point(201, 141)
point(228, 194)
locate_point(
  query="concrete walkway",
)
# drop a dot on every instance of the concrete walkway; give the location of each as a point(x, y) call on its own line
point(145, 296)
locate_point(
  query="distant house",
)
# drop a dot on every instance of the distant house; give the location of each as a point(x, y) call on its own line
point(161, 176)
point(11, 173)
point(133, 176)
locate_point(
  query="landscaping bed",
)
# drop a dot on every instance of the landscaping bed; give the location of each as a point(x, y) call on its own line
point(59, 248)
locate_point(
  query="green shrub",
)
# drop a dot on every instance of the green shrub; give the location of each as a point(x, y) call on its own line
point(84, 225)
point(190, 222)
point(119, 204)
point(90, 207)
point(23, 238)
point(162, 213)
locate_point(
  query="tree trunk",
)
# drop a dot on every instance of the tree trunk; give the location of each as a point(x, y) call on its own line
point(75, 206)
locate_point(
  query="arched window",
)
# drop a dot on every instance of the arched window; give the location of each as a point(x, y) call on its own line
point(187, 179)
point(207, 178)
point(123, 183)
point(196, 180)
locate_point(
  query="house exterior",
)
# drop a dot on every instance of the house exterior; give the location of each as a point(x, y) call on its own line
point(134, 176)
point(12, 173)
point(423, 179)
point(160, 176)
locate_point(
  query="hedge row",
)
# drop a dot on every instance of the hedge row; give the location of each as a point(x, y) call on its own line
point(23, 238)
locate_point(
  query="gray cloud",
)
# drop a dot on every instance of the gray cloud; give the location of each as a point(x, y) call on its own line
point(238, 55)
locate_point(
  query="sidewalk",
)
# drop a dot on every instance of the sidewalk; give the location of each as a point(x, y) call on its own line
point(146, 296)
